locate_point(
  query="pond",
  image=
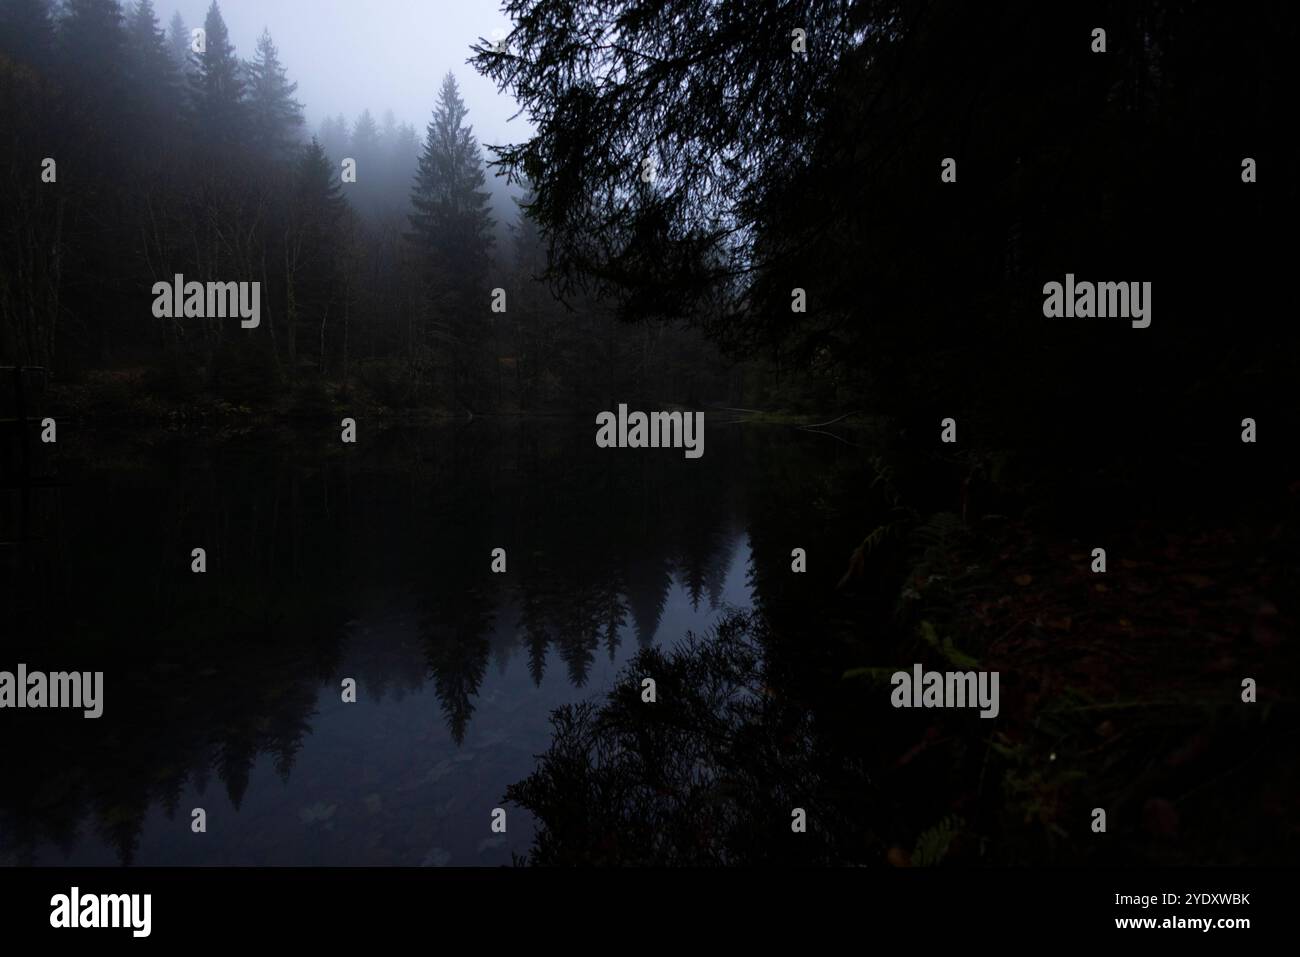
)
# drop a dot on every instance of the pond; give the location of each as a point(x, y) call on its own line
point(223, 690)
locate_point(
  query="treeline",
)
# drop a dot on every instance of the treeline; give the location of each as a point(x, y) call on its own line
point(130, 158)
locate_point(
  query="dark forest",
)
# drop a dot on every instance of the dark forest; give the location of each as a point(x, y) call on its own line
point(831, 227)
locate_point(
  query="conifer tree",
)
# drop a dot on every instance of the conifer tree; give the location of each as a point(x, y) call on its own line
point(218, 85)
point(365, 149)
point(334, 138)
point(178, 43)
point(151, 74)
point(365, 133)
point(452, 227)
point(403, 154)
point(90, 54)
point(451, 220)
point(311, 248)
point(275, 117)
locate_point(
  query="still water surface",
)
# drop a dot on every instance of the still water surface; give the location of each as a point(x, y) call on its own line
point(223, 690)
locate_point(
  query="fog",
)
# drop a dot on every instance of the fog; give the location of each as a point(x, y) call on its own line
point(347, 56)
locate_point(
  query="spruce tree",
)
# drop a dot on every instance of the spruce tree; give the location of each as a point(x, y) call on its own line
point(402, 154)
point(451, 220)
point(320, 199)
point(151, 74)
point(275, 117)
point(364, 148)
point(365, 137)
point(90, 54)
point(218, 86)
point(334, 138)
point(178, 43)
point(452, 227)
point(312, 243)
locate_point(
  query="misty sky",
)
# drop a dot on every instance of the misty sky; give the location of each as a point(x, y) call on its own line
point(347, 55)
